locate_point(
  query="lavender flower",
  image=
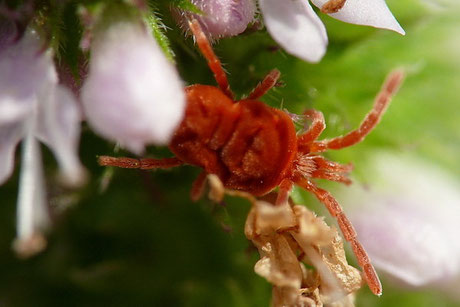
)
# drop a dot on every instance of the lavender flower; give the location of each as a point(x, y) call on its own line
point(133, 94)
point(408, 222)
point(221, 18)
point(33, 106)
point(297, 28)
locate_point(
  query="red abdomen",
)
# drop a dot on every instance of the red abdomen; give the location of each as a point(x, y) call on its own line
point(248, 144)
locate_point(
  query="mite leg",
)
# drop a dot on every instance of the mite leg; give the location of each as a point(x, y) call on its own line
point(314, 131)
point(382, 100)
point(198, 186)
point(348, 231)
point(213, 62)
point(331, 170)
point(332, 166)
point(267, 83)
point(144, 164)
point(328, 175)
point(285, 188)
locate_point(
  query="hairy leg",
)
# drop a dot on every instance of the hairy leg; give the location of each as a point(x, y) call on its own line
point(285, 188)
point(331, 170)
point(348, 231)
point(211, 58)
point(267, 83)
point(332, 176)
point(144, 164)
point(316, 128)
point(382, 100)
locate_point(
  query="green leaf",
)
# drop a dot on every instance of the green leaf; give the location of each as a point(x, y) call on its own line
point(186, 5)
point(158, 29)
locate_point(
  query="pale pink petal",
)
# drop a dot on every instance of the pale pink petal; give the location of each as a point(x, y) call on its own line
point(408, 220)
point(295, 26)
point(133, 94)
point(8, 33)
point(10, 135)
point(23, 71)
point(32, 211)
point(22, 74)
point(373, 13)
point(222, 17)
point(58, 126)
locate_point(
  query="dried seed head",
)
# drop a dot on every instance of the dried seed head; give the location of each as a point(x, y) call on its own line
point(286, 234)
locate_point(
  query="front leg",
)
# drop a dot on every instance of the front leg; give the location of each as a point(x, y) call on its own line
point(317, 126)
point(371, 120)
point(267, 83)
point(285, 188)
point(144, 164)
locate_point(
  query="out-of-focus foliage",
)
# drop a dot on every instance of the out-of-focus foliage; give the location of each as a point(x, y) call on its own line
point(142, 242)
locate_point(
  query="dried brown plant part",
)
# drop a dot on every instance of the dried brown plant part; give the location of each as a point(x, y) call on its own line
point(347, 301)
point(323, 247)
point(285, 234)
point(217, 191)
point(300, 234)
point(280, 266)
point(334, 256)
point(279, 262)
point(216, 188)
point(333, 6)
point(308, 297)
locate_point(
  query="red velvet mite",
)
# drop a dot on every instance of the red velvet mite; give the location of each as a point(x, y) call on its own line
point(254, 148)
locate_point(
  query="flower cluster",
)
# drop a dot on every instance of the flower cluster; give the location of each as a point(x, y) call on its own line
point(292, 23)
point(122, 98)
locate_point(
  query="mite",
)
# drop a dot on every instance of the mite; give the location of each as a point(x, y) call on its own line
point(254, 148)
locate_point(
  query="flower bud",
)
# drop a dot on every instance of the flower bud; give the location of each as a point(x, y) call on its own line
point(133, 94)
point(221, 18)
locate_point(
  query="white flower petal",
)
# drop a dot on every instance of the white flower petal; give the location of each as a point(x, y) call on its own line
point(373, 13)
point(10, 135)
point(23, 69)
point(32, 214)
point(409, 223)
point(58, 126)
point(132, 95)
point(23, 72)
point(295, 26)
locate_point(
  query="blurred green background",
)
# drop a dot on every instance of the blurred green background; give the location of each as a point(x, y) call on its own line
point(142, 242)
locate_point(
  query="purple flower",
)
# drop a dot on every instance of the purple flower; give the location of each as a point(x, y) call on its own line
point(35, 107)
point(133, 94)
point(222, 18)
point(408, 220)
point(297, 28)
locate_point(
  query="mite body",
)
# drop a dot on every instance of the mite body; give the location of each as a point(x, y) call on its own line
point(254, 148)
point(248, 145)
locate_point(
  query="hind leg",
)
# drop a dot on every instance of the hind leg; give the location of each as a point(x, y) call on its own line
point(371, 120)
point(348, 231)
point(213, 62)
